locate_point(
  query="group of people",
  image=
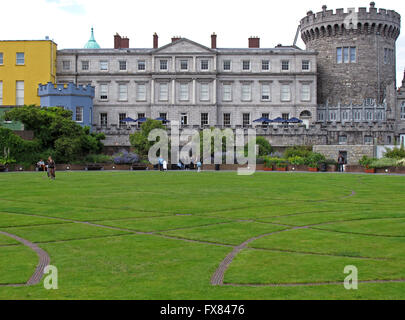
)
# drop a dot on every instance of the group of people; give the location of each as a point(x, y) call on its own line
point(49, 167)
point(162, 163)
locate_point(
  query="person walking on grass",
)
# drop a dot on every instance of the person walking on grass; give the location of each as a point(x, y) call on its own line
point(164, 165)
point(199, 165)
point(160, 160)
point(51, 168)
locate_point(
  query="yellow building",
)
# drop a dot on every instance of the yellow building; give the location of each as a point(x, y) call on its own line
point(23, 66)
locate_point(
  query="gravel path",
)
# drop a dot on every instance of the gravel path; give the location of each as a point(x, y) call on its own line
point(44, 260)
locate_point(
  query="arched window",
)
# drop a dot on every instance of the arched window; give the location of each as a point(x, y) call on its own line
point(305, 114)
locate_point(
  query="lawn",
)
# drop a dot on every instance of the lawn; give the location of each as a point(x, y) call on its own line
point(152, 235)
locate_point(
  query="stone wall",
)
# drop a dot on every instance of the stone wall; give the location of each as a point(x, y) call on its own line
point(354, 153)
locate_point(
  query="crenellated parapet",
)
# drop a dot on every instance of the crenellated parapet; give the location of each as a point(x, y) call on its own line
point(69, 89)
point(330, 23)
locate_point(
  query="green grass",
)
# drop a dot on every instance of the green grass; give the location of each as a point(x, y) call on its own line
point(150, 257)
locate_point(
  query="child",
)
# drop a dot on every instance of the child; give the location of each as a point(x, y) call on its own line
point(199, 166)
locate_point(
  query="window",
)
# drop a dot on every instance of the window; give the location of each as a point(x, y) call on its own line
point(227, 119)
point(184, 65)
point(403, 111)
point(353, 55)
point(357, 115)
point(346, 55)
point(163, 64)
point(204, 119)
point(184, 92)
point(121, 117)
point(204, 64)
point(266, 115)
point(103, 91)
point(333, 116)
point(163, 116)
point(227, 92)
point(285, 116)
point(342, 139)
point(141, 65)
point(19, 93)
point(368, 140)
point(1, 93)
point(123, 65)
point(246, 119)
point(66, 65)
point(1, 58)
point(141, 92)
point(369, 116)
point(305, 65)
point(104, 65)
point(122, 92)
point(285, 65)
point(305, 92)
point(266, 94)
point(321, 116)
point(103, 119)
point(385, 55)
point(246, 92)
point(265, 65)
point(79, 114)
point(246, 65)
point(85, 65)
point(345, 116)
point(163, 92)
point(285, 92)
point(339, 55)
point(379, 115)
point(306, 114)
point(184, 119)
point(20, 58)
point(227, 65)
point(205, 92)
point(140, 116)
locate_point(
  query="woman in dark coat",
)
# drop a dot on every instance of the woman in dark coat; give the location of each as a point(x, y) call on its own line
point(51, 168)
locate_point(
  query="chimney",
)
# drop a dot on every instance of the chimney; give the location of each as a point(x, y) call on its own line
point(175, 38)
point(214, 41)
point(254, 42)
point(120, 43)
point(124, 43)
point(117, 41)
point(155, 41)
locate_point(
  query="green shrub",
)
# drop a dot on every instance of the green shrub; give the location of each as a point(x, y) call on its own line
point(396, 153)
point(401, 163)
point(314, 160)
point(270, 162)
point(366, 162)
point(297, 161)
point(383, 163)
point(97, 158)
point(298, 151)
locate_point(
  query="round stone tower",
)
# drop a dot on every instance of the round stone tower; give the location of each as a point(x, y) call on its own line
point(356, 53)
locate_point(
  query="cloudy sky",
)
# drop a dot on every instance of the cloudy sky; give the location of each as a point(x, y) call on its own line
point(68, 22)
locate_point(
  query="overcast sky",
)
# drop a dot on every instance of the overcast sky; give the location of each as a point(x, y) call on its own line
point(68, 22)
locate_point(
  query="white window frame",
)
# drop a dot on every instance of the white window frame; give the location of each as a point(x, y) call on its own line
point(141, 63)
point(228, 121)
point(18, 60)
point(19, 88)
point(202, 65)
point(266, 92)
point(246, 63)
point(285, 65)
point(246, 92)
point(266, 65)
point(285, 95)
point(206, 121)
point(122, 92)
point(204, 92)
point(141, 92)
point(227, 92)
point(306, 92)
point(104, 92)
point(121, 64)
point(339, 55)
point(87, 64)
point(184, 116)
point(403, 111)
point(121, 116)
point(81, 113)
point(183, 62)
point(230, 65)
point(104, 122)
point(353, 53)
point(346, 54)
point(306, 65)
point(163, 62)
point(184, 92)
point(244, 123)
point(66, 65)
point(163, 91)
point(103, 65)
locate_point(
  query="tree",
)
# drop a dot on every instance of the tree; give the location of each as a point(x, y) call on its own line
point(265, 148)
point(139, 140)
point(56, 133)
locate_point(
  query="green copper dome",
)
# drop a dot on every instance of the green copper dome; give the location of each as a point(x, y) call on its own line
point(92, 43)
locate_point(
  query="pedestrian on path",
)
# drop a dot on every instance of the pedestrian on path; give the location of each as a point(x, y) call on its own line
point(341, 162)
point(51, 168)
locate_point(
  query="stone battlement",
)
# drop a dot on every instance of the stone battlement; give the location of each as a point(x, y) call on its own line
point(70, 89)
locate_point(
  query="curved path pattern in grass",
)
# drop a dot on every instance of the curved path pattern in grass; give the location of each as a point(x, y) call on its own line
point(44, 260)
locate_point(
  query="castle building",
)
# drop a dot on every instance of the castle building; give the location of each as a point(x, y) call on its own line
point(78, 99)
